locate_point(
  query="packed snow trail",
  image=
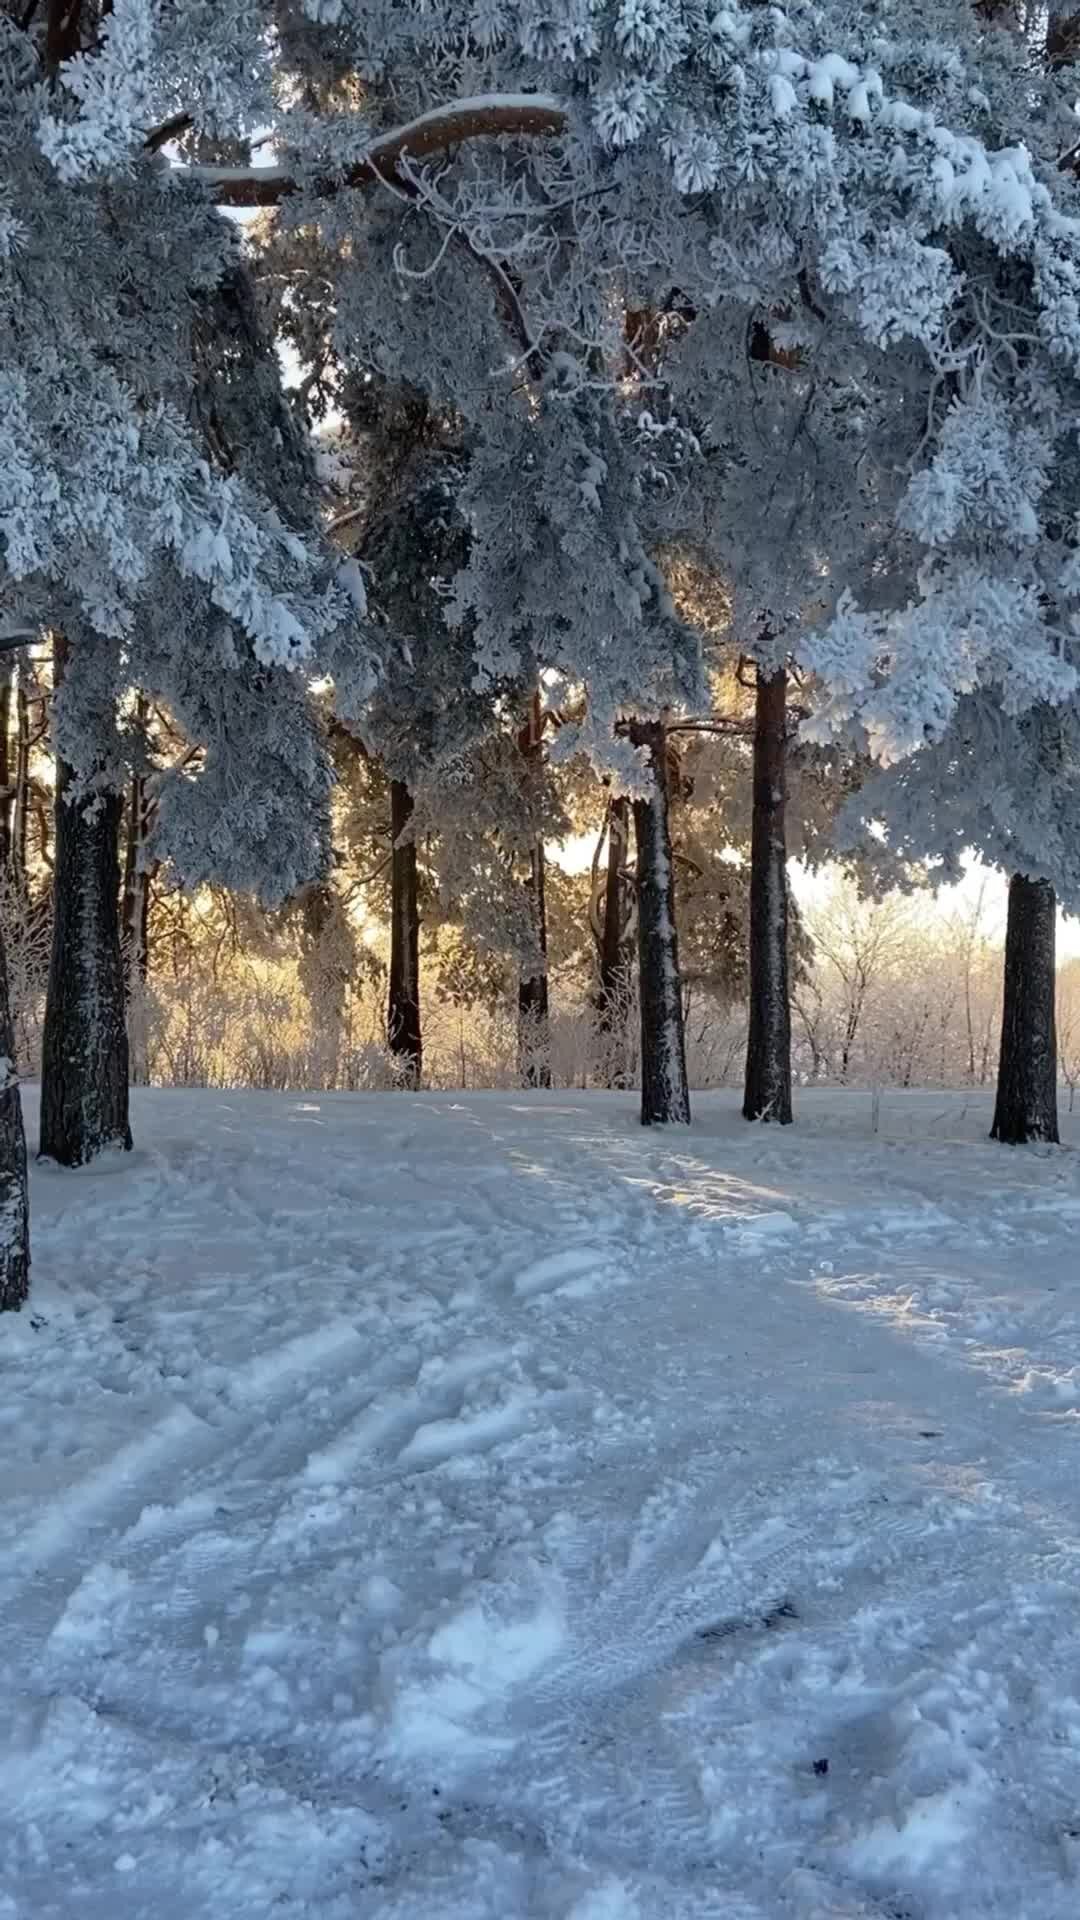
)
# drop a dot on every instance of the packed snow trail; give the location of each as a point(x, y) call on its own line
point(467, 1508)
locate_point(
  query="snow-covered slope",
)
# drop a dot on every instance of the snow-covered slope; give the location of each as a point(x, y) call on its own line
point(444, 1508)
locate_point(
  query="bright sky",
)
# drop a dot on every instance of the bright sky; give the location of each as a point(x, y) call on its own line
point(577, 854)
point(951, 900)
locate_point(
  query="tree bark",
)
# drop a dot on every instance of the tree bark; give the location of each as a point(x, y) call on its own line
point(7, 790)
point(20, 812)
point(534, 1013)
point(403, 1028)
point(1026, 1106)
point(767, 1091)
point(135, 913)
point(612, 991)
point(665, 1092)
point(14, 1208)
point(84, 1056)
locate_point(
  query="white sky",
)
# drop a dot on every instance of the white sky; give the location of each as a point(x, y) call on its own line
point(951, 900)
point(577, 854)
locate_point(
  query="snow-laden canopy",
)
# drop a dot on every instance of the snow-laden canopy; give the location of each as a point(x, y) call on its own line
point(496, 188)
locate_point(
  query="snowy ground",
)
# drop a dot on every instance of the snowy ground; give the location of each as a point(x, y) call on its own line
point(444, 1508)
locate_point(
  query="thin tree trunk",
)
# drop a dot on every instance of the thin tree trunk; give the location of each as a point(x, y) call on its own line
point(84, 1057)
point(135, 923)
point(14, 1208)
point(665, 1092)
point(135, 914)
point(1026, 1106)
point(7, 790)
point(612, 991)
point(534, 1013)
point(403, 1029)
point(20, 817)
point(767, 1093)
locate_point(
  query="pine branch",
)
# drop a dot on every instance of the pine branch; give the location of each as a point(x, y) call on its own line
point(484, 117)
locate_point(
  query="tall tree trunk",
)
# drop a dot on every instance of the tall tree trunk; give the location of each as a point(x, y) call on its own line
point(534, 1013)
point(767, 1093)
point(665, 1092)
point(1026, 1106)
point(135, 913)
point(135, 922)
point(20, 813)
point(403, 1029)
point(7, 788)
point(14, 1208)
point(84, 1055)
point(612, 991)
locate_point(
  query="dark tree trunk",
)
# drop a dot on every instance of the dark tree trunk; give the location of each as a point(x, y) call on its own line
point(135, 922)
point(7, 786)
point(665, 1092)
point(84, 1057)
point(612, 991)
point(1026, 1106)
point(20, 812)
point(14, 1209)
point(534, 1013)
point(767, 1094)
point(135, 915)
point(403, 1029)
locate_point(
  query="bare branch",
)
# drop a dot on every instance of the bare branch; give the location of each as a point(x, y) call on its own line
point(168, 130)
point(485, 117)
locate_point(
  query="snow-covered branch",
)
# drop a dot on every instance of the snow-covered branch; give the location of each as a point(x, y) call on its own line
point(484, 116)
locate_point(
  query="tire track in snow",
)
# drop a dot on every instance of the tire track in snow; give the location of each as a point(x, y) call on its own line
point(160, 1469)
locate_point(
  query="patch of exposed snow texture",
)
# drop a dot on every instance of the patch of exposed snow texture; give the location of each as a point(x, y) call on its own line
point(442, 1508)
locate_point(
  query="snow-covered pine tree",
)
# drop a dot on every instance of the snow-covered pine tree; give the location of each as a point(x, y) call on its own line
point(798, 161)
point(657, 109)
point(162, 569)
point(888, 174)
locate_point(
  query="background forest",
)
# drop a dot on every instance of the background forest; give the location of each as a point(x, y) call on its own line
point(887, 990)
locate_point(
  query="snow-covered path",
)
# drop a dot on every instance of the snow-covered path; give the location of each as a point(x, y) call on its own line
point(467, 1508)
